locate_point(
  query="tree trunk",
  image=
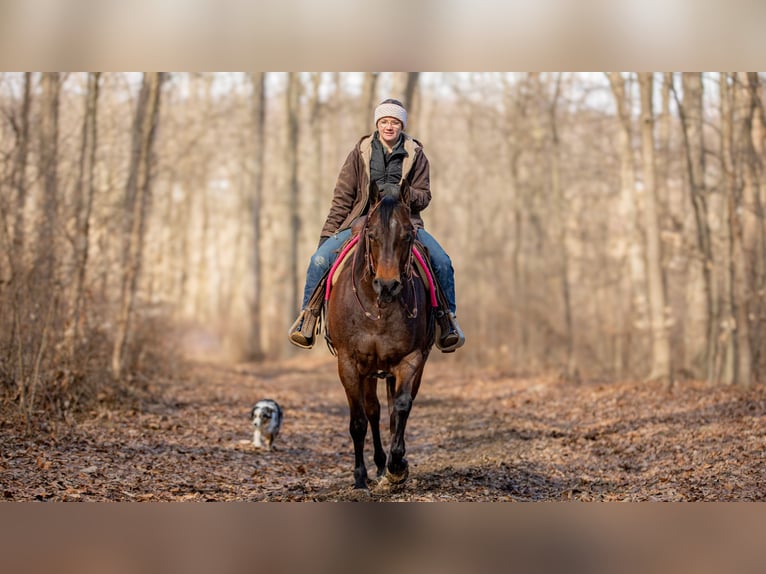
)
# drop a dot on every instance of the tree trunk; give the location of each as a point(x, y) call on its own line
point(661, 361)
point(755, 214)
point(202, 294)
point(665, 116)
point(367, 103)
point(49, 131)
point(138, 188)
point(258, 81)
point(744, 228)
point(83, 204)
point(405, 88)
point(692, 120)
point(739, 342)
point(293, 201)
point(315, 200)
point(20, 173)
point(631, 249)
point(561, 232)
point(515, 110)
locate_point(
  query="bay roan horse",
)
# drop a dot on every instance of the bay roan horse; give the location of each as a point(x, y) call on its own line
point(379, 320)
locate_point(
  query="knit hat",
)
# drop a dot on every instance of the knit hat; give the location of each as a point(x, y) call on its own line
point(393, 109)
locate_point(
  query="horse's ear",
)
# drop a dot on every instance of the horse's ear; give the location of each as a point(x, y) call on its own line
point(374, 193)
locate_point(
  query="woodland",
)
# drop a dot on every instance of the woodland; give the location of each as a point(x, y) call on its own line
point(607, 231)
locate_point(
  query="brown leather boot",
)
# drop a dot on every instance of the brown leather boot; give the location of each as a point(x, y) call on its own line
point(303, 331)
point(450, 334)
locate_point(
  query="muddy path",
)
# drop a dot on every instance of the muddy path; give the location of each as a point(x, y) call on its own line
point(474, 435)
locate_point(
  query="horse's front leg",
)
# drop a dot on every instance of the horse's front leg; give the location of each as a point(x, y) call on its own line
point(353, 385)
point(408, 375)
point(372, 410)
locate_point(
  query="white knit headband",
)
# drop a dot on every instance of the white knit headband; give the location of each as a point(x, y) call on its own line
point(393, 111)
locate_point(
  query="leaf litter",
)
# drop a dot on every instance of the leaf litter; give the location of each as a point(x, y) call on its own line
point(473, 435)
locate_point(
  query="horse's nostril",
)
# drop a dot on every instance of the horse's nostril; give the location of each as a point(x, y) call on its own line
point(390, 287)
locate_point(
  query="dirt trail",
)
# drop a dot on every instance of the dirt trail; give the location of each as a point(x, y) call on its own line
point(474, 435)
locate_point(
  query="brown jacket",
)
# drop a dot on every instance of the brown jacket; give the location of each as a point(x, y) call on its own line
point(352, 189)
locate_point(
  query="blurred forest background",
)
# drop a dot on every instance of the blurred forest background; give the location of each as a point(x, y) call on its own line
point(604, 225)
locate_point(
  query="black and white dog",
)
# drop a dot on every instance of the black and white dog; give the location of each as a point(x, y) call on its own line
point(266, 417)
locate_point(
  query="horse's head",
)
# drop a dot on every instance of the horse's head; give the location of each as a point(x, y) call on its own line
point(389, 235)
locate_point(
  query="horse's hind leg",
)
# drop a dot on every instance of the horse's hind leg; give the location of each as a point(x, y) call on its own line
point(372, 410)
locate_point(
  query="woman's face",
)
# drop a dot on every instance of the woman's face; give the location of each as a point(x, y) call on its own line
point(389, 130)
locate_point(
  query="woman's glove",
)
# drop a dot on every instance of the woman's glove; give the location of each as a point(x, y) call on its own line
point(389, 190)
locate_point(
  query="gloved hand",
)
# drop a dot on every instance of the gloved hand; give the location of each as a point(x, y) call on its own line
point(321, 241)
point(389, 190)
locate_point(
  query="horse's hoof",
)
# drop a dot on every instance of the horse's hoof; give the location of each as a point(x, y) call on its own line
point(397, 478)
point(390, 483)
point(383, 485)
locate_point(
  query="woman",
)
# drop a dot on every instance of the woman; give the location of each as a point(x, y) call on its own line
point(388, 157)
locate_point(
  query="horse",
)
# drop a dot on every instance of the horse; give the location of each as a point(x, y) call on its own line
point(381, 325)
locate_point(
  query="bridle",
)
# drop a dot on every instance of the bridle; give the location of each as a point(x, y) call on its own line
point(370, 268)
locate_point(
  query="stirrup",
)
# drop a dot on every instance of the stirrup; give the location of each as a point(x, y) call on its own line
point(302, 333)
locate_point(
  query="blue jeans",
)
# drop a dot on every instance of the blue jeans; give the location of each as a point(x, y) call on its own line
point(321, 261)
point(326, 255)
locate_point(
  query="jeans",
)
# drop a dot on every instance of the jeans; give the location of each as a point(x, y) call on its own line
point(327, 253)
point(321, 261)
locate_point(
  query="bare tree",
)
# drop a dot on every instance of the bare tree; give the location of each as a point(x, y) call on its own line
point(315, 109)
point(291, 163)
point(367, 102)
point(19, 177)
point(661, 360)
point(516, 100)
point(138, 188)
point(731, 134)
point(560, 210)
point(83, 205)
point(663, 129)
point(631, 247)
point(691, 115)
point(201, 169)
point(49, 134)
point(258, 81)
point(405, 86)
point(754, 132)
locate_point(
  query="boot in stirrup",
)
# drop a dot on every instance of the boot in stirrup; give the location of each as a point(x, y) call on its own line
point(451, 336)
point(303, 331)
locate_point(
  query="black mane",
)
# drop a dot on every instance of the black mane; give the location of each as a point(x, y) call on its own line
point(386, 208)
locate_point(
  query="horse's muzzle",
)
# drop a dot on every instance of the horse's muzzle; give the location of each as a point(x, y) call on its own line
point(387, 289)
